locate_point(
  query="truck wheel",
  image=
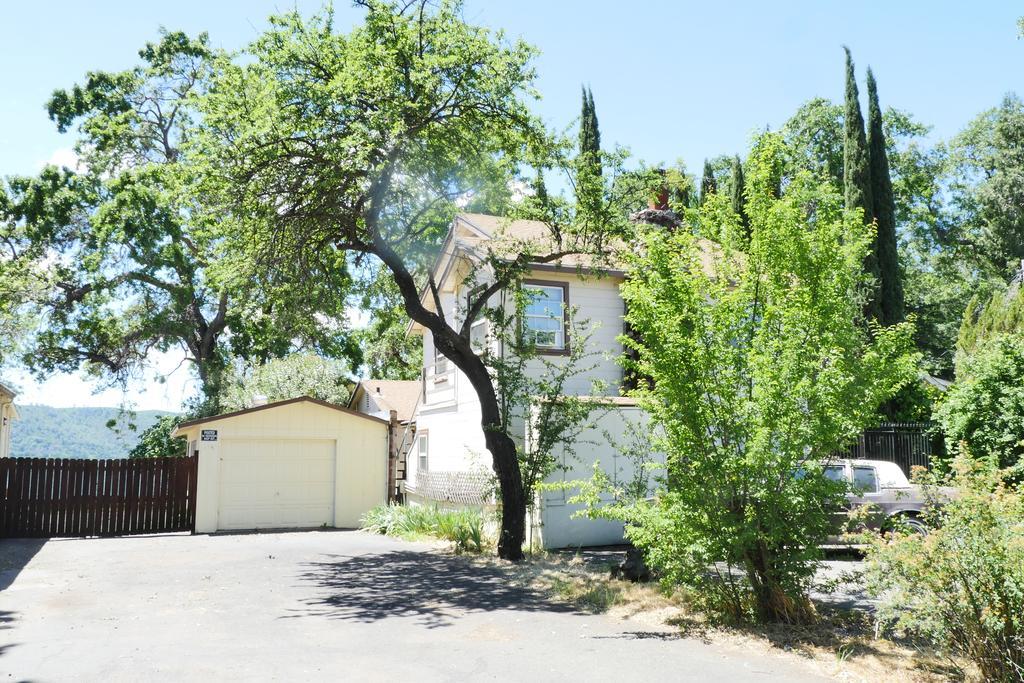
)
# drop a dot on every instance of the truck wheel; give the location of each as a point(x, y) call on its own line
point(911, 523)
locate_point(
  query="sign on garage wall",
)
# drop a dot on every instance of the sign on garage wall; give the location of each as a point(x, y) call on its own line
point(209, 435)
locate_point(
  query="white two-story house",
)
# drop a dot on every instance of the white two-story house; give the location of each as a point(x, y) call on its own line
point(447, 459)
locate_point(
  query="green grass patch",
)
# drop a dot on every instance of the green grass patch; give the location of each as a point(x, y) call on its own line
point(464, 527)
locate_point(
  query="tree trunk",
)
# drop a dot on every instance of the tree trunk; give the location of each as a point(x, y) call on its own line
point(211, 377)
point(503, 452)
point(458, 350)
point(773, 604)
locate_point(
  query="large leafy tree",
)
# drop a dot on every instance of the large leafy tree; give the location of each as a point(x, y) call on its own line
point(388, 350)
point(130, 242)
point(988, 189)
point(761, 369)
point(814, 140)
point(983, 413)
point(20, 277)
point(279, 379)
point(336, 146)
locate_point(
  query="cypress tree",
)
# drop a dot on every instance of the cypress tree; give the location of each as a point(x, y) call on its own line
point(857, 179)
point(890, 285)
point(590, 133)
point(540, 190)
point(736, 195)
point(707, 183)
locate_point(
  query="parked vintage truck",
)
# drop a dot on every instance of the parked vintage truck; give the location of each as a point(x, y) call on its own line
point(883, 486)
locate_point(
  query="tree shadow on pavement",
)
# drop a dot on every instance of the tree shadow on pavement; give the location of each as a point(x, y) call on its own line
point(15, 553)
point(433, 588)
point(7, 619)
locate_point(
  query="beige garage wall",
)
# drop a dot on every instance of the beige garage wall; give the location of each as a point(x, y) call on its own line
point(361, 447)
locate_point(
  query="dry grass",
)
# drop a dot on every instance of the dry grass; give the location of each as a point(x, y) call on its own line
point(842, 645)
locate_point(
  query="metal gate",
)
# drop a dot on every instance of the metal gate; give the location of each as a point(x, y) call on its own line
point(907, 444)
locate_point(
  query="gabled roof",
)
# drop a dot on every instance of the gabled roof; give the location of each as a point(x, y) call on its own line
point(398, 395)
point(484, 233)
point(7, 392)
point(276, 404)
point(475, 236)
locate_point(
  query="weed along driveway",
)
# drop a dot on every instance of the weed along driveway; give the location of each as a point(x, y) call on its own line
point(317, 605)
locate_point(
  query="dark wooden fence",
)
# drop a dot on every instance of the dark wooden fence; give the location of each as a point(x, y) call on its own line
point(904, 443)
point(47, 497)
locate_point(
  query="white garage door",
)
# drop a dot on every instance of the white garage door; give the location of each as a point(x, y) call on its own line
point(276, 483)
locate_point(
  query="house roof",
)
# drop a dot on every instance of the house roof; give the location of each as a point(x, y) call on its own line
point(504, 237)
point(510, 237)
point(475, 236)
point(937, 382)
point(269, 406)
point(7, 392)
point(398, 395)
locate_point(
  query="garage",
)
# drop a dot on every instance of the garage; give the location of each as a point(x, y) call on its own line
point(295, 464)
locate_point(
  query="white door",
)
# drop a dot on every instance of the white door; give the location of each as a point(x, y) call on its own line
point(276, 483)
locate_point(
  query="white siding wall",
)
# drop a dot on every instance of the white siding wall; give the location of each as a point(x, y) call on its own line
point(6, 418)
point(456, 442)
point(456, 439)
point(605, 443)
point(598, 310)
point(370, 406)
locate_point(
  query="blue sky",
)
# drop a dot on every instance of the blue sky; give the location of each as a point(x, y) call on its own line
point(670, 79)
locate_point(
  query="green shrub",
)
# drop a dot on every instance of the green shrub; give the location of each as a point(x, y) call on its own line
point(462, 526)
point(758, 370)
point(984, 410)
point(156, 442)
point(962, 585)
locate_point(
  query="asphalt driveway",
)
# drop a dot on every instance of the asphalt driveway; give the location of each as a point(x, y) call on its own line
point(312, 606)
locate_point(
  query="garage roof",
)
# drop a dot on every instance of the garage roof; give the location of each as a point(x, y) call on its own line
point(7, 392)
point(391, 394)
point(277, 404)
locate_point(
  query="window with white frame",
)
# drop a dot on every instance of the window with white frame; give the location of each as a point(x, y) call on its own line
point(478, 336)
point(440, 366)
point(544, 316)
point(422, 451)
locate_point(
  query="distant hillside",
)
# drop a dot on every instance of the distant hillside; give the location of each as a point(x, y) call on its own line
point(45, 432)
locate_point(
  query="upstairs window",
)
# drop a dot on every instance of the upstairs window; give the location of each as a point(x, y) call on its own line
point(544, 319)
point(478, 336)
point(422, 451)
point(440, 366)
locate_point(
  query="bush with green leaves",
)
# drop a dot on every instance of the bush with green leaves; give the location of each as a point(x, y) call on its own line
point(759, 369)
point(464, 527)
point(962, 585)
point(156, 442)
point(983, 412)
